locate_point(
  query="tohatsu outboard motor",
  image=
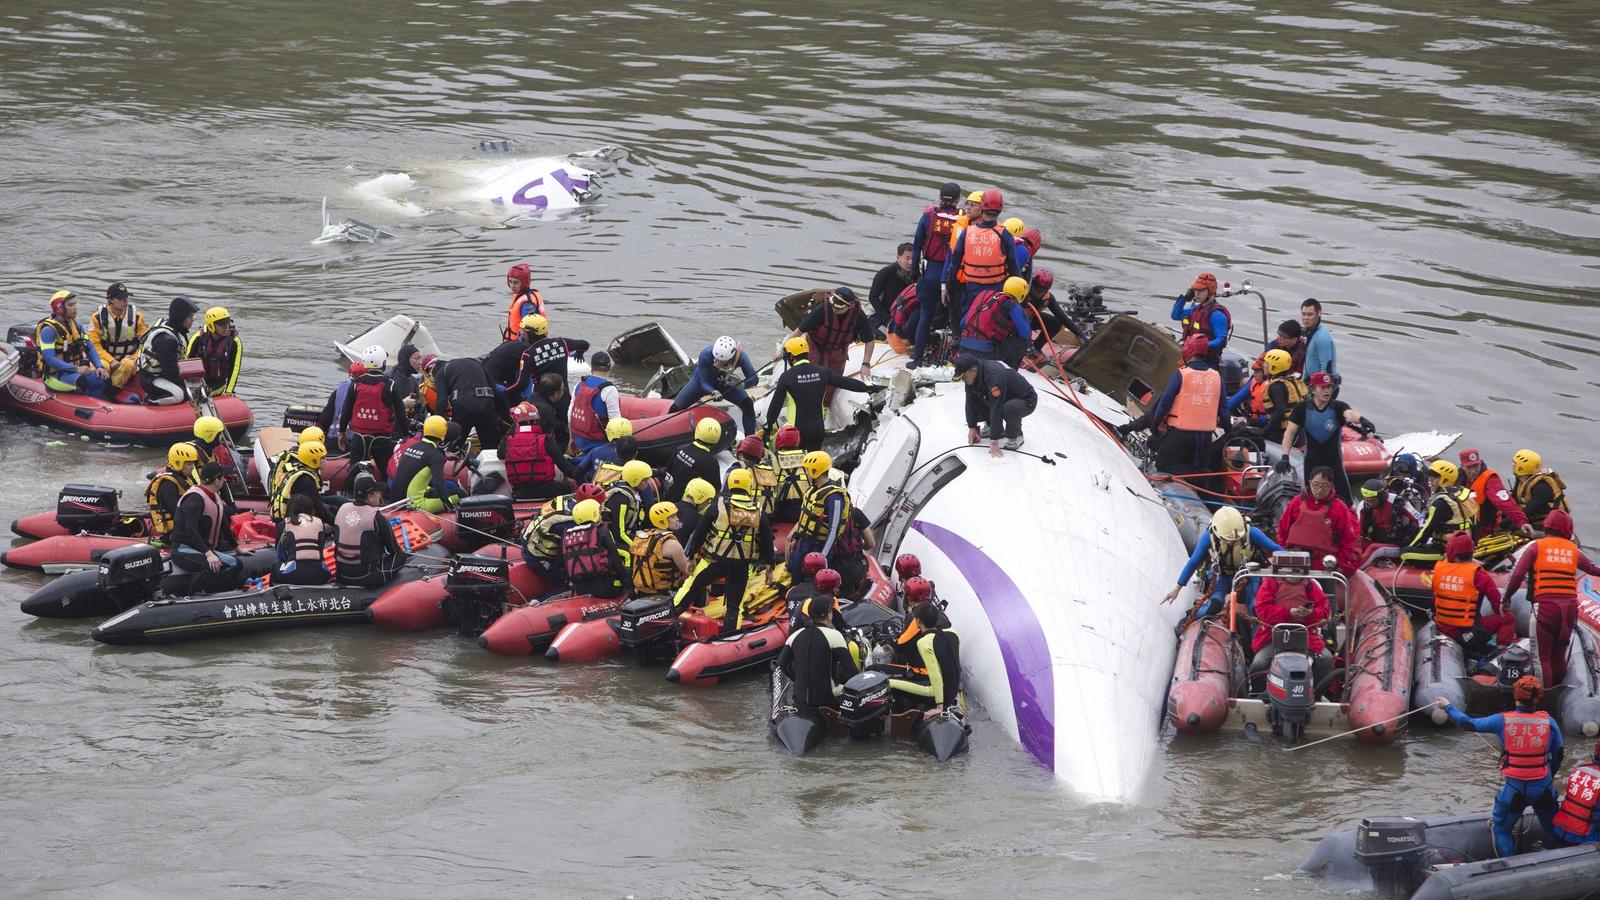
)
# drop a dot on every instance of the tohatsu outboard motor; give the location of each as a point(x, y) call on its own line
point(1395, 851)
point(647, 628)
point(1290, 693)
point(864, 704)
point(475, 592)
point(130, 575)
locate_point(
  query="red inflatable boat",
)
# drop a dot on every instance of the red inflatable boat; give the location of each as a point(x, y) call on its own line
point(419, 605)
point(253, 531)
point(531, 629)
point(133, 422)
point(660, 431)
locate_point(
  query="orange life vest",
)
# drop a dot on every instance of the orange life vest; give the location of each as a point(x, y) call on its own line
point(1526, 739)
point(1555, 568)
point(1455, 594)
point(1576, 815)
point(1195, 407)
point(983, 260)
point(515, 313)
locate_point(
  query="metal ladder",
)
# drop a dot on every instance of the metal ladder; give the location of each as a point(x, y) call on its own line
point(200, 400)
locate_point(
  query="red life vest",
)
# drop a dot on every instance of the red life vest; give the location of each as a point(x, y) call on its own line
point(1199, 322)
point(1312, 529)
point(1199, 396)
point(936, 241)
point(394, 459)
point(983, 260)
point(214, 352)
point(527, 458)
point(836, 331)
point(586, 422)
point(1555, 568)
point(585, 555)
point(1577, 813)
point(905, 309)
point(211, 507)
point(1526, 739)
point(989, 317)
point(370, 414)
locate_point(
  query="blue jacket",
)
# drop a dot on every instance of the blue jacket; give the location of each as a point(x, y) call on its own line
point(590, 461)
point(1202, 547)
point(1219, 322)
point(47, 352)
point(1496, 724)
point(708, 379)
point(1320, 356)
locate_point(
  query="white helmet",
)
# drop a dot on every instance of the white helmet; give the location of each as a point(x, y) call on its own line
point(374, 357)
point(724, 349)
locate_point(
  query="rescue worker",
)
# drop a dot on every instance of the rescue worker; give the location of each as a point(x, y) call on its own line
point(824, 512)
point(68, 361)
point(1032, 240)
point(938, 650)
point(904, 310)
point(366, 553)
point(1272, 397)
point(1497, 511)
point(1321, 524)
point(550, 397)
point(930, 248)
point(504, 362)
point(1460, 585)
point(594, 404)
point(116, 330)
point(850, 554)
point(1321, 419)
point(1383, 518)
point(816, 658)
point(626, 501)
point(917, 591)
point(659, 563)
point(1188, 413)
point(543, 355)
point(829, 329)
point(541, 538)
point(995, 326)
point(998, 398)
point(167, 486)
point(300, 546)
point(906, 567)
point(603, 464)
point(333, 410)
point(1297, 600)
point(595, 566)
point(1320, 356)
point(793, 483)
point(303, 480)
point(1537, 489)
point(163, 346)
point(1577, 820)
point(1551, 565)
point(525, 300)
point(374, 418)
point(694, 460)
point(805, 586)
point(1531, 753)
point(287, 456)
point(803, 390)
point(697, 497)
point(463, 388)
point(536, 468)
point(203, 545)
point(219, 348)
point(890, 282)
point(1290, 338)
point(419, 472)
point(1046, 313)
point(1199, 313)
point(1020, 249)
point(723, 371)
point(752, 456)
point(1450, 509)
point(732, 536)
point(1224, 548)
point(207, 442)
point(984, 256)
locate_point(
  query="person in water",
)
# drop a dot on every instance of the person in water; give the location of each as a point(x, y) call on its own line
point(218, 346)
point(116, 330)
point(1531, 753)
point(67, 359)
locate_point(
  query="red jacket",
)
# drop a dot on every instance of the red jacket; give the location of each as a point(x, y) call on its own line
point(1346, 527)
point(1271, 613)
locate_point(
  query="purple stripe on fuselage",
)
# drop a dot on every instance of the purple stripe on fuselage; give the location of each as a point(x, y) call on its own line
point(1022, 645)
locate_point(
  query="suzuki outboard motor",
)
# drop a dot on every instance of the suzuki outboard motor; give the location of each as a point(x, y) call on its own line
point(864, 704)
point(1394, 850)
point(645, 628)
point(1289, 686)
point(475, 592)
point(129, 575)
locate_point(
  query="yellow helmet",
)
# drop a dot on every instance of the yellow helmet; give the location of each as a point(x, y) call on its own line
point(311, 453)
point(181, 455)
point(312, 433)
point(539, 325)
point(699, 491)
point(797, 346)
point(661, 514)
point(1277, 362)
point(635, 471)
point(619, 428)
point(1447, 472)
point(435, 427)
point(215, 316)
point(1015, 226)
point(1228, 524)
point(975, 197)
point(817, 463)
point(1525, 463)
point(586, 511)
point(707, 431)
point(206, 428)
point(61, 295)
point(741, 480)
point(1016, 287)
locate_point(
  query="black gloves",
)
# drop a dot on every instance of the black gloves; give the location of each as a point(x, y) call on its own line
point(1283, 466)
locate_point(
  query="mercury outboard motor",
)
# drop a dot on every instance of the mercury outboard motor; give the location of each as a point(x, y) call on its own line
point(1394, 849)
point(864, 704)
point(1290, 694)
point(129, 575)
point(475, 592)
point(86, 508)
point(647, 629)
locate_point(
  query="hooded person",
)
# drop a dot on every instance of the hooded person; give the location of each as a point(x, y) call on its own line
point(406, 376)
point(163, 348)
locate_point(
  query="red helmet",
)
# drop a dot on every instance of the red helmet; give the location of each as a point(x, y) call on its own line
point(992, 201)
point(524, 412)
point(590, 491)
point(918, 589)
point(1460, 545)
point(521, 274)
point(814, 562)
point(1527, 691)
point(750, 446)
point(788, 438)
point(358, 369)
point(1033, 240)
point(1195, 345)
point(428, 361)
point(906, 565)
point(1043, 281)
point(826, 580)
point(1558, 522)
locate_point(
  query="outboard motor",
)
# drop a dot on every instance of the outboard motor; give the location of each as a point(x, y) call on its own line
point(864, 704)
point(1512, 663)
point(1394, 850)
point(1290, 693)
point(475, 592)
point(1273, 496)
point(21, 337)
point(491, 515)
point(299, 417)
point(87, 508)
point(129, 575)
point(646, 628)
point(1235, 371)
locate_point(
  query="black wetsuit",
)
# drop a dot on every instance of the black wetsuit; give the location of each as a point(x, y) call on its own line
point(465, 388)
point(503, 362)
point(805, 383)
point(688, 463)
point(545, 356)
point(816, 659)
point(890, 281)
